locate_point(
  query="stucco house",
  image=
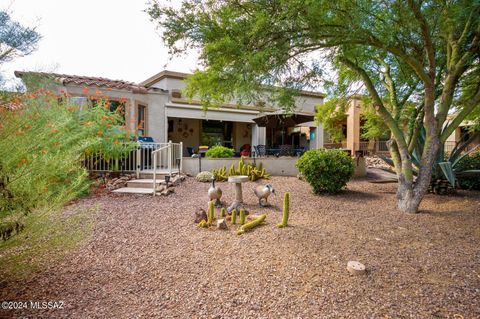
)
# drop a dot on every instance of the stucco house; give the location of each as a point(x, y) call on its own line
point(157, 109)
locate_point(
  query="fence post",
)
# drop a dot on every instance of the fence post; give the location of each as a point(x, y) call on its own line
point(169, 154)
point(138, 159)
point(181, 159)
point(154, 174)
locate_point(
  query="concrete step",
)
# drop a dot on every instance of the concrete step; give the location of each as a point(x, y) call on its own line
point(148, 174)
point(130, 190)
point(144, 183)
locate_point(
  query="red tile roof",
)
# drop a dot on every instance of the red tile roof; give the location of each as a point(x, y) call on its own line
point(88, 81)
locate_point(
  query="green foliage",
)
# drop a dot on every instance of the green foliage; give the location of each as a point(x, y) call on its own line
point(332, 114)
point(447, 166)
point(220, 152)
point(42, 145)
point(286, 211)
point(469, 163)
point(373, 126)
point(252, 224)
point(15, 39)
point(424, 53)
point(326, 170)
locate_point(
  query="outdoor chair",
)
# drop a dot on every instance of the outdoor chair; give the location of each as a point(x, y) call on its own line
point(261, 150)
point(245, 150)
point(285, 150)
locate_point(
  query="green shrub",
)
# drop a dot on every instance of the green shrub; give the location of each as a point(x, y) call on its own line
point(220, 152)
point(470, 162)
point(327, 171)
point(42, 144)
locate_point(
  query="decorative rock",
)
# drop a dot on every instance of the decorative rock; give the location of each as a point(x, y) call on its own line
point(177, 180)
point(355, 268)
point(222, 224)
point(200, 215)
point(167, 191)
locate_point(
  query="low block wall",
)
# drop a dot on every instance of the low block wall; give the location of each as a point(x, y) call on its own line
point(282, 166)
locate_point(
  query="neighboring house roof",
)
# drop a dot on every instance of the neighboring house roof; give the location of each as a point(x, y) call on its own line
point(182, 76)
point(88, 81)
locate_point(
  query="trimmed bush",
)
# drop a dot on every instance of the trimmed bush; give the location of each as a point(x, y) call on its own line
point(327, 171)
point(470, 162)
point(220, 152)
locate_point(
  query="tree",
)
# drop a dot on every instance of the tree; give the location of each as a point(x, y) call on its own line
point(15, 39)
point(430, 49)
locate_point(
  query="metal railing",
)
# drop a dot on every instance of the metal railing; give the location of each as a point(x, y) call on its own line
point(139, 159)
point(164, 158)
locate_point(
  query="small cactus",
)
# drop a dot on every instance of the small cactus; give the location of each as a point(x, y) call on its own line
point(286, 210)
point(222, 212)
point(211, 212)
point(202, 223)
point(242, 216)
point(234, 216)
point(252, 224)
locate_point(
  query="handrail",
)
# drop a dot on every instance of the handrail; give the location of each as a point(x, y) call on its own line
point(170, 153)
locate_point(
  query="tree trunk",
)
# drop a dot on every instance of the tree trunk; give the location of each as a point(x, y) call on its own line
point(410, 194)
point(407, 199)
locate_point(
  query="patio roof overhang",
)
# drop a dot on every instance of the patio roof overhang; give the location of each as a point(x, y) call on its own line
point(218, 114)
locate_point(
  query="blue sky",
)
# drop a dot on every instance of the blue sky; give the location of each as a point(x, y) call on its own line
point(108, 38)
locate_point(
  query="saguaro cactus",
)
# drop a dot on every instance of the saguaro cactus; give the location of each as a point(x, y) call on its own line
point(286, 210)
point(252, 224)
point(222, 212)
point(242, 216)
point(234, 216)
point(211, 212)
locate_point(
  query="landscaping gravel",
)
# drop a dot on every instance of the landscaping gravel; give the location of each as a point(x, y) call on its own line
point(147, 258)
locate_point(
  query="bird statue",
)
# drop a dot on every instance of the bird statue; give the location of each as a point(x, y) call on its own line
point(262, 192)
point(215, 193)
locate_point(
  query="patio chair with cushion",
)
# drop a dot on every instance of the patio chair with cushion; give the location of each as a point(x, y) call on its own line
point(245, 150)
point(261, 150)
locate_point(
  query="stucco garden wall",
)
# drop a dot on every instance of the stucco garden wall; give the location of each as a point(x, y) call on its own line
point(282, 166)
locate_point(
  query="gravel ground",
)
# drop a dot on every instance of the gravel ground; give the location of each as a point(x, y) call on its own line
point(147, 259)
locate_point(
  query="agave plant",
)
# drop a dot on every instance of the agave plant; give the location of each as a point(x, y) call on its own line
point(445, 168)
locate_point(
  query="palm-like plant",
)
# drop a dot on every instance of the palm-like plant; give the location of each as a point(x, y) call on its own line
point(446, 169)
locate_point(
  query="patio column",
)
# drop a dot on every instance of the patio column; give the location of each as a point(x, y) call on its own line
point(316, 137)
point(353, 126)
point(258, 135)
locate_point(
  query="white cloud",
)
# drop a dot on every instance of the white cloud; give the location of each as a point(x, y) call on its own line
point(108, 38)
